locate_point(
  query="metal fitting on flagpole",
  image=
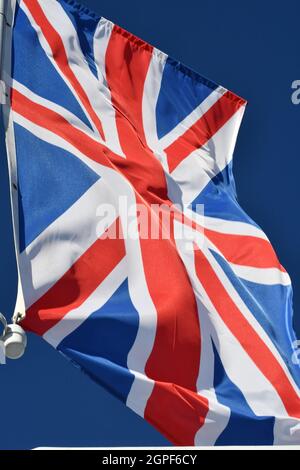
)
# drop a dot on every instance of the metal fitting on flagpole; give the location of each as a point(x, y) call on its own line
point(13, 338)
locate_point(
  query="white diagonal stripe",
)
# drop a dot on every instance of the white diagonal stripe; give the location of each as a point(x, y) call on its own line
point(242, 371)
point(77, 59)
point(73, 319)
point(230, 227)
point(218, 415)
point(150, 98)
point(192, 118)
point(266, 276)
point(58, 247)
point(106, 109)
point(72, 119)
point(203, 164)
point(233, 294)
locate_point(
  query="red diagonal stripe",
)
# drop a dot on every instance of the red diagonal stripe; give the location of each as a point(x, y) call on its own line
point(203, 130)
point(177, 344)
point(126, 70)
point(245, 250)
point(60, 56)
point(177, 315)
point(179, 412)
point(76, 285)
point(127, 64)
point(57, 124)
point(249, 339)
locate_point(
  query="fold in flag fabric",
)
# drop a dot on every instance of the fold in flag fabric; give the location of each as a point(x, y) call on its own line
point(191, 329)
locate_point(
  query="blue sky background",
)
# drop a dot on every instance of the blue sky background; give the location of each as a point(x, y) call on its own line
point(250, 47)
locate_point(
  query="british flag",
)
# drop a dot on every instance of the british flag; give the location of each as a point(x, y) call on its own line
point(197, 341)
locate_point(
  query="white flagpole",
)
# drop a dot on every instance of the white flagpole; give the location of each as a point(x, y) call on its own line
point(7, 12)
point(13, 337)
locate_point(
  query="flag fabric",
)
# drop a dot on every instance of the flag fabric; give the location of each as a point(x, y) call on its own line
point(194, 332)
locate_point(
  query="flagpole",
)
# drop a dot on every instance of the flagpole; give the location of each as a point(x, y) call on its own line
point(13, 337)
point(7, 12)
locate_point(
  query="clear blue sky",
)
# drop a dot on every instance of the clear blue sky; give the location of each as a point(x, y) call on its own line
point(249, 47)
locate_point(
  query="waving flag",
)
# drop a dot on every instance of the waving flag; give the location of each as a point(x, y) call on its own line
point(194, 333)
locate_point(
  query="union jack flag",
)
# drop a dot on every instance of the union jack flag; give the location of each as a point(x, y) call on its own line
point(197, 341)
